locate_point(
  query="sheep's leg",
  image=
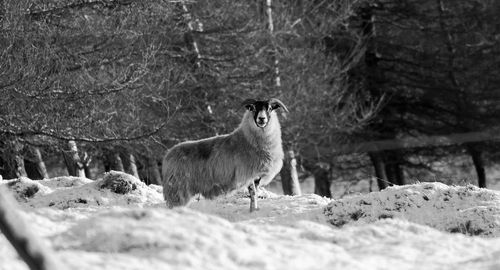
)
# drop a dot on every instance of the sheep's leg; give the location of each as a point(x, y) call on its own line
point(253, 198)
point(256, 182)
point(176, 195)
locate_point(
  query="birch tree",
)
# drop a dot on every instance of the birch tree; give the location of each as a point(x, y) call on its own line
point(289, 176)
point(192, 25)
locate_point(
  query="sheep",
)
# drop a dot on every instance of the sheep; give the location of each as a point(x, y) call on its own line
point(250, 155)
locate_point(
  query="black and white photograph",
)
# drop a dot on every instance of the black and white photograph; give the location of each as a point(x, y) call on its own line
point(249, 135)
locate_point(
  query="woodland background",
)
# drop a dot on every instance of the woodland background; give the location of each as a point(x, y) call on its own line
point(390, 91)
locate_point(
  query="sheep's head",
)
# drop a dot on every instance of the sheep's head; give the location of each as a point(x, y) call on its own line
point(262, 110)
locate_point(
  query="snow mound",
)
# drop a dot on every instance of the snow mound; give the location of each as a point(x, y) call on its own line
point(404, 227)
point(25, 189)
point(457, 209)
point(119, 182)
point(187, 239)
point(70, 192)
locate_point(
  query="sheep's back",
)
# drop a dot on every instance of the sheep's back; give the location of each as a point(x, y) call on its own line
point(226, 160)
point(187, 157)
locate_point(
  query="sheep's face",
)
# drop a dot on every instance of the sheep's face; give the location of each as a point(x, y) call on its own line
point(262, 111)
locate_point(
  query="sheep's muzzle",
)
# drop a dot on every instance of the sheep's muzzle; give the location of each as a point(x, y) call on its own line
point(261, 118)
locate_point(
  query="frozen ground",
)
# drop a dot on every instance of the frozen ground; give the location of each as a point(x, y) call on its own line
point(421, 226)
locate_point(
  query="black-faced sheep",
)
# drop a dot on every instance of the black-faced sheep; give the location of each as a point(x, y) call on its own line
point(252, 154)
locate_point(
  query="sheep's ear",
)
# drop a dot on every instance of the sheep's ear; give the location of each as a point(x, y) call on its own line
point(276, 103)
point(249, 104)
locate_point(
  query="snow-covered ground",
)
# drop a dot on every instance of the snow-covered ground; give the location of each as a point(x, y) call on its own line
point(421, 226)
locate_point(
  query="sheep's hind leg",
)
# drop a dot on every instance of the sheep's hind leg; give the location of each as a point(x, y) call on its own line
point(252, 189)
point(178, 196)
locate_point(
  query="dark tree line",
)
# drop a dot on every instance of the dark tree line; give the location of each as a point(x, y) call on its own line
point(434, 60)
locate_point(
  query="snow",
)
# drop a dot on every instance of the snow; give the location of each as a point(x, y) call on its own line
point(420, 226)
point(465, 209)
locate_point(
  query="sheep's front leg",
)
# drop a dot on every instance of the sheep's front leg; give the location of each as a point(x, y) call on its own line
point(257, 183)
point(253, 196)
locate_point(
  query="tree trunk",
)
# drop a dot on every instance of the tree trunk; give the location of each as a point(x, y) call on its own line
point(188, 36)
point(393, 169)
point(88, 172)
point(390, 172)
point(154, 171)
point(12, 165)
point(20, 169)
point(371, 59)
point(40, 164)
point(274, 54)
point(289, 175)
point(378, 165)
point(395, 174)
point(130, 164)
point(113, 161)
point(400, 175)
point(106, 162)
point(32, 170)
point(72, 160)
point(477, 159)
point(322, 180)
point(18, 166)
point(86, 160)
point(372, 70)
point(117, 163)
